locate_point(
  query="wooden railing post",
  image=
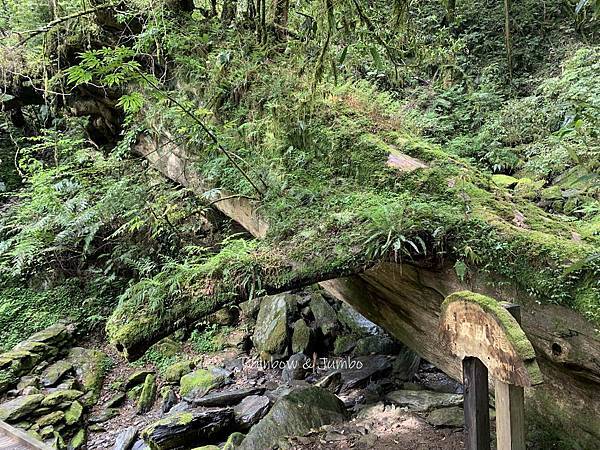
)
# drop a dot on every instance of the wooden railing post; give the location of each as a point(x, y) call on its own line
point(510, 407)
point(477, 412)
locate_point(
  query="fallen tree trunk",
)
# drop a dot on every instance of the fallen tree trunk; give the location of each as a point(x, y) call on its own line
point(405, 300)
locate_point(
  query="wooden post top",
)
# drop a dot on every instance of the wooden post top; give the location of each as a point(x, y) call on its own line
point(473, 325)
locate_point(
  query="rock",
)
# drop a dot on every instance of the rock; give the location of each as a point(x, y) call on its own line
point(56, 335)
point(50, 419)
point(294, 368)
point(198, 383)
point(406, 364)
point(250, 307)
point(116, 400)
point(79, 440)
point(355, 322)
point(125, 439)
point(278, 392)
point(168, 347)
point(70, 383)
point(47, 432)
point(61, 396)
point(169, 399)
point(136, 378)
point(104, 415)
point(251, 410)
point(233, 441)
point(271, 332)
point(73, 413)
point(134, 392)
point(225, 398)
point(364, 369)
point(344, 344)
point(453, 417)
point(325, 315)
point(423, 401)
point(440, 382)
point(148, 395)
point(188, 428)
point(140, 445)
point(28, 381)
point(295, 414)
point(19, 407)
point(379, 345)
point(302, 337)
point(174, 372)
point(223, 317)
point(59, 443)
point(53, 373)
point(30, 390)
point(181, 407)
point(90, 370)
point(331, 382)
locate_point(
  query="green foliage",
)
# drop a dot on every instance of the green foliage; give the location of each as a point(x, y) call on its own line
point(207, 340)
point(24, 311)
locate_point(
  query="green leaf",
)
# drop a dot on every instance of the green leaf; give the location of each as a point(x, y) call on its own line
point(461, 269)
point(131, 103)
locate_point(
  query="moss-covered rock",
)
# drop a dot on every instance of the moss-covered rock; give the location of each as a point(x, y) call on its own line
point(174, 372)
point(13, 410)
point(199, 382)
point(148, 395)
point(295, 414)
point(271, 331)
point(58, 397)
point(116, 400)
point(302, 337)
point(73, 413)
point(50, 419)
point(53, 373)
point(136, 378)
point(325, 315)
point(188, 428)
point(90, 368)
point(79, 440)
point(234, 441)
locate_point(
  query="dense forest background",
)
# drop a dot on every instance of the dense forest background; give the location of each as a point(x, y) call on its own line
point(293, 105)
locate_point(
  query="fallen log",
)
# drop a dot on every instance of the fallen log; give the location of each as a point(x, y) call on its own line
point(405, 298)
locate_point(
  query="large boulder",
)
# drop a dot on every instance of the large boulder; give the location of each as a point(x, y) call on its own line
point(325, 315)
point(189, 429)
point(294, 414)
point(355, 322)
point(271, 332)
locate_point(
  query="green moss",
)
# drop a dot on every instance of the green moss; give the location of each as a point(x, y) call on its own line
point(507, 322)
point(198, 382)
point(174, 372)
point(233, 441)
point(79, 439)
point(148, 394)
point(73, 413)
